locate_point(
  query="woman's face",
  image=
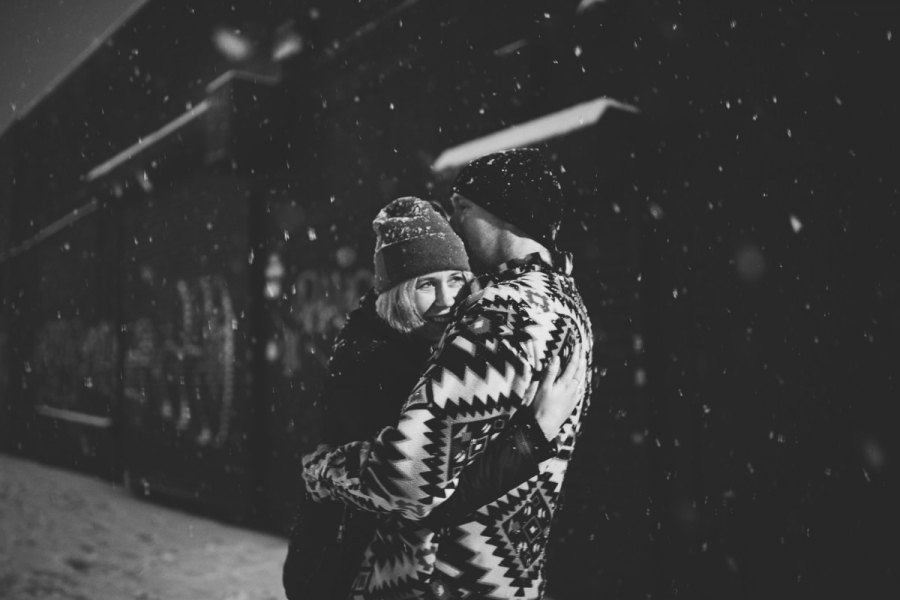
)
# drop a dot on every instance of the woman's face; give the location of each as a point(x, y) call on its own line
point(433, 297)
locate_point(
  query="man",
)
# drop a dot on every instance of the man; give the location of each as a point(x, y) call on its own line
point(506, 208)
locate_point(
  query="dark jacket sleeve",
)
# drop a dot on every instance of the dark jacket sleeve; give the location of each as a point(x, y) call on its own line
point(506, 463)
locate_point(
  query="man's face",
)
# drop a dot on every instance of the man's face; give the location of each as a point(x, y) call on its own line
point(474, 226)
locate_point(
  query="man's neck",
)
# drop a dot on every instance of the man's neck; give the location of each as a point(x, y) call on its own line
point(513, 247)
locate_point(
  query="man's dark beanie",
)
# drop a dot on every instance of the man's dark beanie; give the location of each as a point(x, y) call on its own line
point(414, 240)
point(517, 186)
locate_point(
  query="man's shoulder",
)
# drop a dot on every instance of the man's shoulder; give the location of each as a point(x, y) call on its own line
point(538, 290)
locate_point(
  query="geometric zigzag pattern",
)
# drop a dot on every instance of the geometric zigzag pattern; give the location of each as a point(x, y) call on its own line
point(502, 340)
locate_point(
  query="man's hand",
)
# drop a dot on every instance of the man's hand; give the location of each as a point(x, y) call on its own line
point(558, 393)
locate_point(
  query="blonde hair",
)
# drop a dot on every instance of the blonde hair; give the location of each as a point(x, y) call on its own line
point(397, 308)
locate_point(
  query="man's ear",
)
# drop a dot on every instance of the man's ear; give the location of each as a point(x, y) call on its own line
point(439, 208)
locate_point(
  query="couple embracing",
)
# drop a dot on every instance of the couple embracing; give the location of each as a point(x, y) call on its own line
point(453, 401)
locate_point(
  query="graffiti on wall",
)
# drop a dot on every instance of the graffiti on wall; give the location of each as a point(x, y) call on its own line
point(73, 367)
point(318, 309)
point(180, 362)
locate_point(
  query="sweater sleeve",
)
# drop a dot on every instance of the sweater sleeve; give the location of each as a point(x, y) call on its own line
point(460, 406)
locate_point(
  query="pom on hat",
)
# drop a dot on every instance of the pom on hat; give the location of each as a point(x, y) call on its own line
point(414, 240)
point(517, 186)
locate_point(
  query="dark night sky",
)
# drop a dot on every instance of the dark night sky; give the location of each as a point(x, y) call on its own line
point(40, 41)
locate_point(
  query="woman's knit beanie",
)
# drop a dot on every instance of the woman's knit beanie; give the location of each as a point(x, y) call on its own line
point(414, 240)
point(517, 186)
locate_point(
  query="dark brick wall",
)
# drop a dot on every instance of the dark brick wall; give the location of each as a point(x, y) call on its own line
point(7, 170)
point(63, 341)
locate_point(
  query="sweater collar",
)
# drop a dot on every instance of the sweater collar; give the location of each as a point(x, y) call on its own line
point(561, 263)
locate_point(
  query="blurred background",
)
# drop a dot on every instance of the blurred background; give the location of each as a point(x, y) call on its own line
point(185, 220)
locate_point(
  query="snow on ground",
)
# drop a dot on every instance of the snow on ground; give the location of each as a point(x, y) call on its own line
point(65, 535)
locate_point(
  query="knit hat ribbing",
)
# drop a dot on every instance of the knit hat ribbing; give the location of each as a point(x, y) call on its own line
point(517, 186)
point(414, 240)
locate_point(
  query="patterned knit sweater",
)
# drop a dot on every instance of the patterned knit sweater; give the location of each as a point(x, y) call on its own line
point(503, 338)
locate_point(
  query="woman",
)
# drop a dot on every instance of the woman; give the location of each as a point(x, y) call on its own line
point(420, 269)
